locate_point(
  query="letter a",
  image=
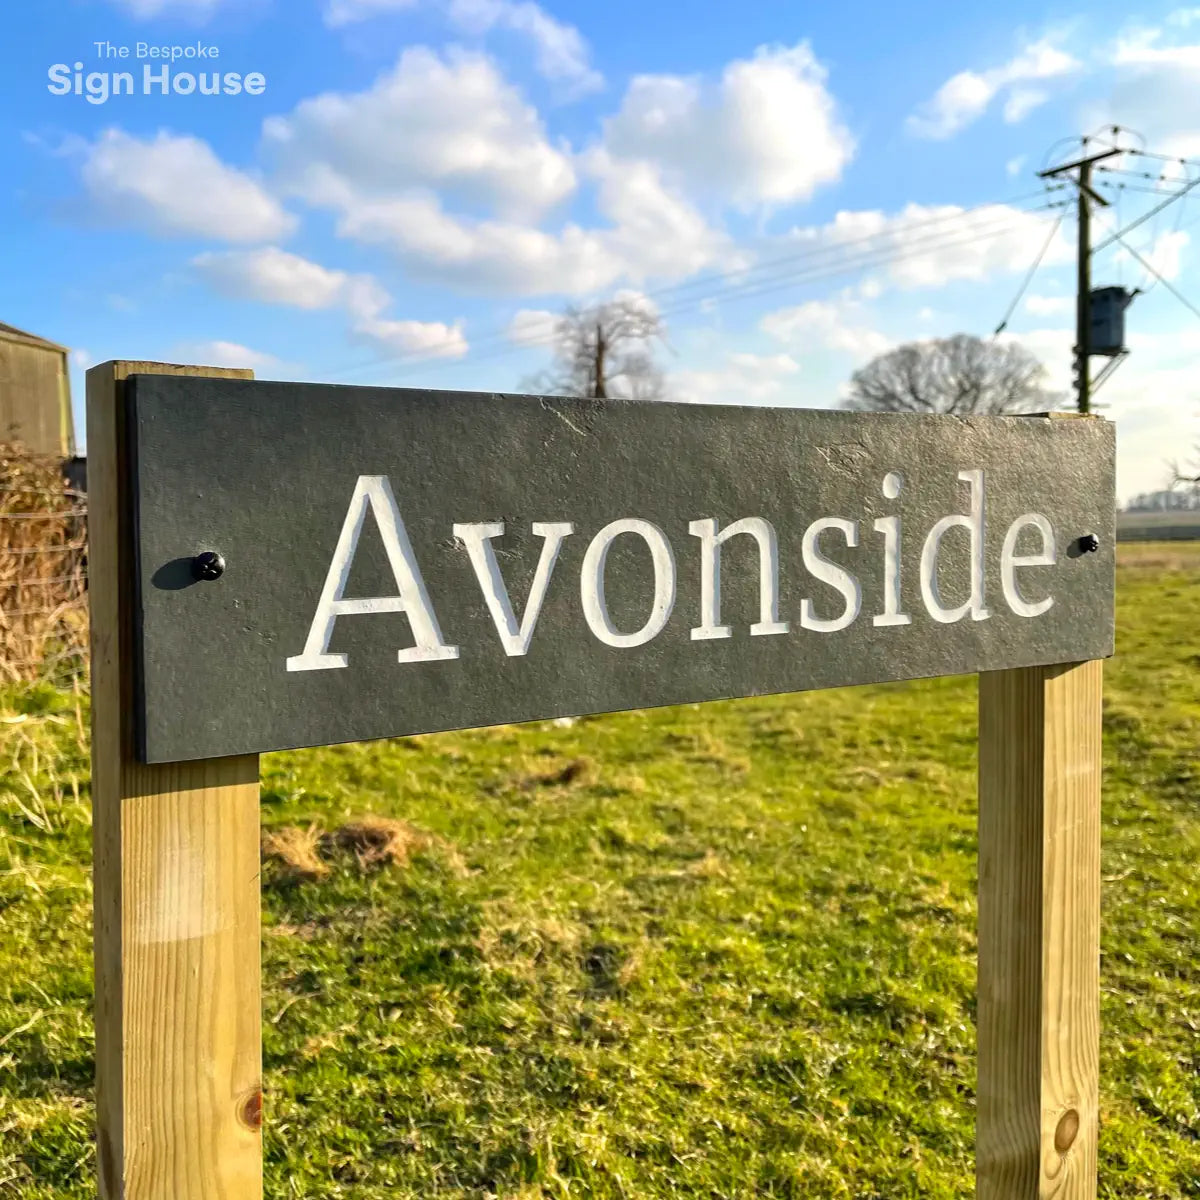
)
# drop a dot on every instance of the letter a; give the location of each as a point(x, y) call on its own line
point(373, 492)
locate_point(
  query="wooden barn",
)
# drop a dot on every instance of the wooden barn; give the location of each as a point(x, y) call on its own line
point(35, 394)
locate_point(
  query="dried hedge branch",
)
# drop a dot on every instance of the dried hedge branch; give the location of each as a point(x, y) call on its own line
point(43, 570)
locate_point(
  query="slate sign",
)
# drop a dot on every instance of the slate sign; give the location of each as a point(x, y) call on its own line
point(399, 561)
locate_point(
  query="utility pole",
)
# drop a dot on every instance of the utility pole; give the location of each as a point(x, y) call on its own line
point(1083, 298)
point(1083, 293)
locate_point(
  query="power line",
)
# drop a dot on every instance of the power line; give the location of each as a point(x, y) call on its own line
point(1170, 158)
point(739, 274)
point(1160, 177)
point(811, 261)
point(1130, 187)
point(701, 281)
point(1161, 278)
point(879, 256)
point(810, 275)
point(1037, 262)
point(996, 224)
point(1116, 237)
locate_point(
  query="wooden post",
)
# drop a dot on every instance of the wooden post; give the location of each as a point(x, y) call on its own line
point(177, 927)
point(1039, 932)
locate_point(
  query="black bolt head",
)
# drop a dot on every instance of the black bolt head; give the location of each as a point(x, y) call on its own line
point(1089, 543)
point(208, 566)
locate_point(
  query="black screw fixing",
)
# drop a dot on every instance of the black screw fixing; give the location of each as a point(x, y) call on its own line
point(208, 566)
point(1089, 543)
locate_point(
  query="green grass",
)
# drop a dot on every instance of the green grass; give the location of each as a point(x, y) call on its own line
point(706, 951)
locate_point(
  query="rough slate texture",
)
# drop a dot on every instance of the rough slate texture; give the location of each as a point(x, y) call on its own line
point(263, 473)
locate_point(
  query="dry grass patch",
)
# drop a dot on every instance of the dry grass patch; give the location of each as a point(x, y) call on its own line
point(303, 853)
point(1159, 556)
point(295, 852)
point(524, 943)
point(381, 841)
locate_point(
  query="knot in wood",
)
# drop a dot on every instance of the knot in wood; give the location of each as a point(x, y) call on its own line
point(250, 1110)
point(1066, 1131)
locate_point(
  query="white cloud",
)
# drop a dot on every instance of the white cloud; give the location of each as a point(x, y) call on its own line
point(827, 325)
point(1053, 349)
point(743, 379)
point(451, 122)
point(425, 339)
point(958, 102)
point(224, 354)
point(767, 133)
point(349, 12)
point(1165, 256)
point(481, 255)
point(966, 96)
point(931, 245)
point(1151, 431)
point(176, 185)
point(81, 359)
point(654, 234)
point(442, 162)
point(1156, 89)
point(532, 327)
point(1016, 165)
point(1142, 49)
point(1021, 102)
point(274, 276)
point(561, 54)
point(1050, 306)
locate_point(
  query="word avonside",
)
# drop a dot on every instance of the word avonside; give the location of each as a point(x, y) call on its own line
point(836, 603)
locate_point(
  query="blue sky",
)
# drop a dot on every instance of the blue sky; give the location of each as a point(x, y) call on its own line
point(419, 183)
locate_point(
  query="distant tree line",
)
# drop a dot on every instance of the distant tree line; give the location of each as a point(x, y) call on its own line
point(1166, 500)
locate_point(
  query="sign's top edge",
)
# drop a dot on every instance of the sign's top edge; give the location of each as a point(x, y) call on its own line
point(1061, 420)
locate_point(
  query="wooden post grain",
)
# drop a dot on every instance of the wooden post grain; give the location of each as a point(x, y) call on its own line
point(177, 930)
point(1039, 932)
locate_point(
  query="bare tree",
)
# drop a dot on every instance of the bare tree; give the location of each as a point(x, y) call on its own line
point(606, 352)
point(961, 375)
point(1186, 477)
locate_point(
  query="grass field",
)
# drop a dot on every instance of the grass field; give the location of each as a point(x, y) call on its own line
point(707, 951)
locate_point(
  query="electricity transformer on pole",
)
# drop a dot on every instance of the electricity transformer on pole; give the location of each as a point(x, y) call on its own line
point(1099, 312)
point(1083, 299)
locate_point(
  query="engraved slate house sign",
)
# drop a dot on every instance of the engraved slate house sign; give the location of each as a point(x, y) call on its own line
point(391, 561)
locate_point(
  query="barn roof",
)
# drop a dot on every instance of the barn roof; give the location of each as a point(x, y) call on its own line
point(13, 334)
